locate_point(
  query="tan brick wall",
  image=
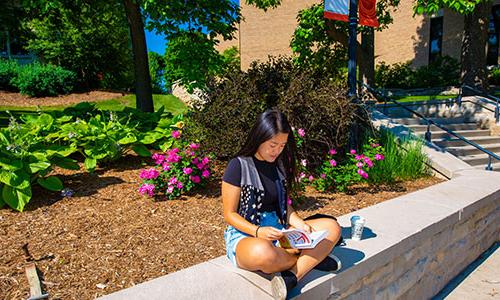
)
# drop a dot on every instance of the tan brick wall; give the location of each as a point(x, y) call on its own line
point(407, 38)
point(268, 33)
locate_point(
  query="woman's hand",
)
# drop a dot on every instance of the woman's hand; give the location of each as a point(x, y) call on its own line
point(303, 226)
point(269, 233)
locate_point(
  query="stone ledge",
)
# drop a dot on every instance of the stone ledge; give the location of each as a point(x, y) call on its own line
point(412, 245)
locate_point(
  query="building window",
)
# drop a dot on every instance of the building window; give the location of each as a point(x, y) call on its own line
point(493, 30)
point(436, 38)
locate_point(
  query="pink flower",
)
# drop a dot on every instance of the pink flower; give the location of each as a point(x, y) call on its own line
point(362, 173)
point(205, 173)
point(369, 162)
point(303, 162)
point(175, 150)
point(187, 171)
point(176, 134)
point(311, 178)
point(302, 175)
point(166, 166)
point(173, 158)
point(352, 151)
point(374, 145)
point(179, 185)
point(149, 174)
point(333, 163)
point(200, 166)
point(170, 189)
point(301, 132)
point(332, 152)
point(323, 175)
point(379, 157)
point(205, 160)
point(195, 179)
point(289, 201)
point(359, 164)
point(195, 161)
point(148, 189)
point(173, 181)
point(194, 146)
point(158, 158)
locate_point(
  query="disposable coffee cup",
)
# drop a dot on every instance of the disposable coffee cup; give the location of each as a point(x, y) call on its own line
point(357, 225)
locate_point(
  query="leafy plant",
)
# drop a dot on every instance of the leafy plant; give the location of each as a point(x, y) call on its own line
point(27, 157)
point(338, 175)
point(178, 170)
point(37, 80)
point(8, 72)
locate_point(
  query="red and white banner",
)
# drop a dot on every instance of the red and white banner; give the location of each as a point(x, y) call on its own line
point(339, 10)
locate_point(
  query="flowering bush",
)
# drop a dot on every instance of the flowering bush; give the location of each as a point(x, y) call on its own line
point(177, 171)
point(353, 170)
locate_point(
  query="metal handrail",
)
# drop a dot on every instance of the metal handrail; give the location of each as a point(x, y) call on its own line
point(430, 122)
point(485, 95)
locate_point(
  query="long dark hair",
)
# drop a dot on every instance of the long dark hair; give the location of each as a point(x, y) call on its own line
point(268, 124)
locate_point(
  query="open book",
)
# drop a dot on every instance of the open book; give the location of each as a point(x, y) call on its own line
point(299, 239)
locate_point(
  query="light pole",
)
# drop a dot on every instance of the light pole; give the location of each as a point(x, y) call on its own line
point(351, 66)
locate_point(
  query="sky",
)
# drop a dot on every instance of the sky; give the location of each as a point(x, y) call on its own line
point(156, 42)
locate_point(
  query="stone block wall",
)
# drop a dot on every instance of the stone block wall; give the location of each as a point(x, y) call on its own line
point(421, 270)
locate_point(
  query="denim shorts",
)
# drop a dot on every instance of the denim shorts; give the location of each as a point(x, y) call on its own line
point(232, 235)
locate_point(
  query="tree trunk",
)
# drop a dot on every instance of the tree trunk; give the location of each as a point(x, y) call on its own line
point(367, 61)
point(475, 36)
point(143, 90)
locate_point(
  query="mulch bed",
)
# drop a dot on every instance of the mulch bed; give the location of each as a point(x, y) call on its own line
point(107, 237)
point(16, 99)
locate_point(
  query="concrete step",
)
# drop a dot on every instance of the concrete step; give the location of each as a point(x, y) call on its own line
point(461, 126)
point(441, 134)
point(477, 159)
point(495, 166)
point(454, 142)
point(471, 150)
point(417, 121)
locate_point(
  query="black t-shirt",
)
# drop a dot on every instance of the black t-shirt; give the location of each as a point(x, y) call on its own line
point(267, 174)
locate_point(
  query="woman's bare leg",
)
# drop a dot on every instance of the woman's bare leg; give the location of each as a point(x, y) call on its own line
point(309, 258)
point(258, 254)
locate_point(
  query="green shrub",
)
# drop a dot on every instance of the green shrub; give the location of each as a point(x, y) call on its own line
point(232, 104)
point(37, 80)
point(8, 71)
point(494, 76)
point(445, 71)
point(404, 160)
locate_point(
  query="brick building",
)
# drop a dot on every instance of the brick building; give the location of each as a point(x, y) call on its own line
point(416, 38)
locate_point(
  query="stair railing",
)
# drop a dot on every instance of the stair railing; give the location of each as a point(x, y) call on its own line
point(493, 100)
point(428, 135)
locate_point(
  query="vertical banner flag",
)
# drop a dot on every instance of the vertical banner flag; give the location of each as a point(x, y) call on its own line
point(339, 10)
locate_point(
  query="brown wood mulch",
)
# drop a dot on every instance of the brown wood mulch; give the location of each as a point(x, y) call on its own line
point(107, 237)
point(16, 99)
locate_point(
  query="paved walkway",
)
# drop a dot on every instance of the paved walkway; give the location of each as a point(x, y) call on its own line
point(479, 281)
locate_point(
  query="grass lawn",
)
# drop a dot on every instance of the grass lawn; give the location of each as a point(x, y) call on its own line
point(171, 103)
point(422, 98)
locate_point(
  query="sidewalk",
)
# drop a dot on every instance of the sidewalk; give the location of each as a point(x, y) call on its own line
point(480, 280)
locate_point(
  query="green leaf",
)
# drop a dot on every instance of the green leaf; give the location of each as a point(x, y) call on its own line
point(129, 139)
point(2, 203)
point(11, 165)
point(141, 150)
point(167, 145)
point(3, 138)
point(66, 163)
point(90, 164)
point(150, 138)
point(51, 183)
point(38, 166)
point(16, 198)
point(18, 179)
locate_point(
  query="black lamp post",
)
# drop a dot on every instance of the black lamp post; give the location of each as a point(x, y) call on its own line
point(351, 67)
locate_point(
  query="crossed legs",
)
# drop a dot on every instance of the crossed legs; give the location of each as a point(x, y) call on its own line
point(257, 254)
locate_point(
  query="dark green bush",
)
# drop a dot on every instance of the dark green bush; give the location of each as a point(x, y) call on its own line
point(494, 76)
point(445, 71)
point(37, 80)
point(311, 102)
point(8, 71)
